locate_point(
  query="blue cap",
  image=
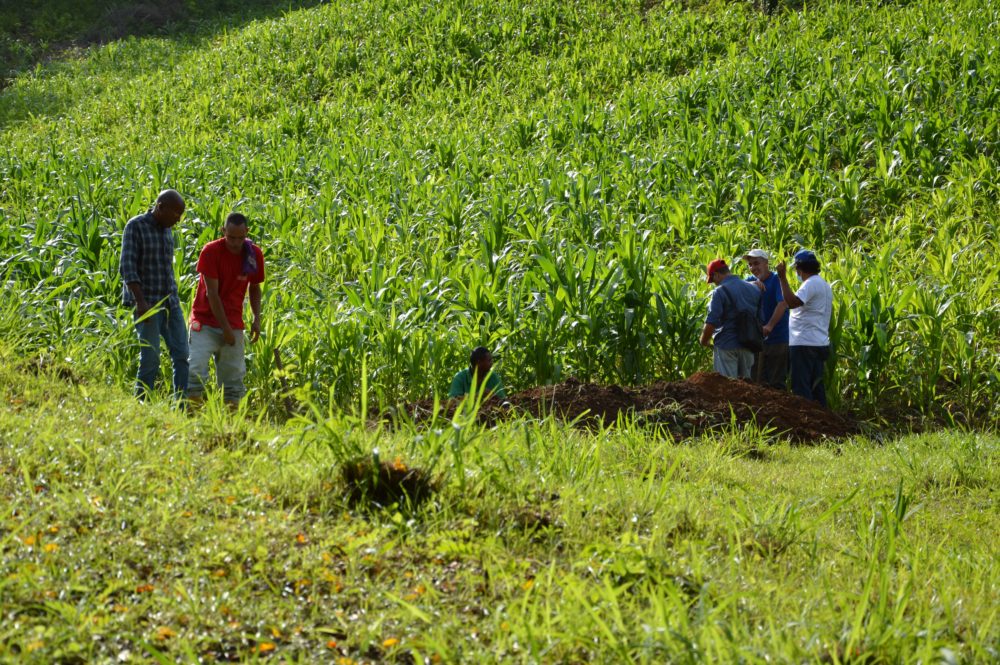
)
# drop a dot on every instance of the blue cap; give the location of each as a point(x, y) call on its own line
point(804, 256)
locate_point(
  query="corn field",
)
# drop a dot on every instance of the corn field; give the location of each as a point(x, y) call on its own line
point(545, 178)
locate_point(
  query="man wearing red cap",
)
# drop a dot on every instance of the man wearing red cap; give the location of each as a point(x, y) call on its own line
point(731, 295)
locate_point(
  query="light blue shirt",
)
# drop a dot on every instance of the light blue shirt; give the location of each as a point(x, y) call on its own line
point(722, 309)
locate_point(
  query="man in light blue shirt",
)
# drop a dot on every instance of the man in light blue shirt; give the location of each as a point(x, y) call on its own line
point(731, 295)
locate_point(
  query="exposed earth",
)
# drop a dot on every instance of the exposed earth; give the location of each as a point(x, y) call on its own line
point(702, 402)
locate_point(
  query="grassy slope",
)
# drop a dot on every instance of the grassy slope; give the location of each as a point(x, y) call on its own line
point(132, 529)
point(31, 32)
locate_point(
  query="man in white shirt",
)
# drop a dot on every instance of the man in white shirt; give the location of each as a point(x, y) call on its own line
point(808, 325)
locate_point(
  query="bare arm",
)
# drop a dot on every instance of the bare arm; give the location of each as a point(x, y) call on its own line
point(791, 300)
point(255, 308)
point(218, 311)
point(706, 335)
point(141, 306)
point(779, 311)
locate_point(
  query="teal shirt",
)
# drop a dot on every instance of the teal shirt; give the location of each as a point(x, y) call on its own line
point(461, 385)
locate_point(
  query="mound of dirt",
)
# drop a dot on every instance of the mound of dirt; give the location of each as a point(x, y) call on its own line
point(703, 402)
point(721, 398)
point(569, 401)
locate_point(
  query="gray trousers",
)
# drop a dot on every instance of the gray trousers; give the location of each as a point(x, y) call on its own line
point(230, 364)
point(734, 363)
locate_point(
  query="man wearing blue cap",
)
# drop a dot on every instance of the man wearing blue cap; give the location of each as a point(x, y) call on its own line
point(808, 326)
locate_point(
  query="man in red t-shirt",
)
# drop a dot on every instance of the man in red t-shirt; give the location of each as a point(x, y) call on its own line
point(228, 268)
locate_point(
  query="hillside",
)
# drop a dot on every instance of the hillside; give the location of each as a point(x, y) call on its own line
point(543, 177)
point(548, 178)
point(33, 32)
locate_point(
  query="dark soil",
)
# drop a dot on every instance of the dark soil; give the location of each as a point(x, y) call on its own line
point(45, 366)
point(703, 402)
point(381, 484)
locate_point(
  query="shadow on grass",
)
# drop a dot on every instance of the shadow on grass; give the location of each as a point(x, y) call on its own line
point(45, 37)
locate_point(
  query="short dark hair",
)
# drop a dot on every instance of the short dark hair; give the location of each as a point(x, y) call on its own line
point(478, 354)
point(170, 197)
point(237, 219)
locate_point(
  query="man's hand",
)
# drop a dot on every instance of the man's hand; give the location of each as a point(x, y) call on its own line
point(255, 329)
point(767, 329)
point(228, 336)
point(706, 335)
point(787, 295)
point(141, 307)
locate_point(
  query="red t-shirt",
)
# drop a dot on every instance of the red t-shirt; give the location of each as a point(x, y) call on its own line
point(219, 263)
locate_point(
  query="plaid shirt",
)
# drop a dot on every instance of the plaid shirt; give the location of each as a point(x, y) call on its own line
point(148, 258)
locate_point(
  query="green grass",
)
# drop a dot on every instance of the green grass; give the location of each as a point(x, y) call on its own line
point(134, 529)
point(34, 31)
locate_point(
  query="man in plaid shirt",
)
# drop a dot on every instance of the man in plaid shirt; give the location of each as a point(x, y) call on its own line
point(147, 269)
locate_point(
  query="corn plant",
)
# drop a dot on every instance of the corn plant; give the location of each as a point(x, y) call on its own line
point(550, 185)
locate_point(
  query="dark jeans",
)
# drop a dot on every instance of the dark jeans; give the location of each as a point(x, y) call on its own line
point(770, 366)
point(169, 324)
point(807, 364)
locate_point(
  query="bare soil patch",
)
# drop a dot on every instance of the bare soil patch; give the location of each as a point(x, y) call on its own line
point(703, 402)
point(380, 483)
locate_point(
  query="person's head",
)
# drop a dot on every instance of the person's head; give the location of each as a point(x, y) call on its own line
point(759, 263)
point(717, 271)
point(235, 232)
point(481, 361)
point(805, 264)
point(168, 208)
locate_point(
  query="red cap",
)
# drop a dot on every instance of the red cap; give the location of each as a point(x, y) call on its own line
point(715, 265)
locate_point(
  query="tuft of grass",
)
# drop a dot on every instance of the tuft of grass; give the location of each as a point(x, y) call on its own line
point(373, 482)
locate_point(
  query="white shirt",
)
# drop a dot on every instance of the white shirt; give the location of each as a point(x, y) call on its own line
point(809, 324)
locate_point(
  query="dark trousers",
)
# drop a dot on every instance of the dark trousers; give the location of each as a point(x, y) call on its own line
point(770, 366)
point(169, 324)
point(807, 364)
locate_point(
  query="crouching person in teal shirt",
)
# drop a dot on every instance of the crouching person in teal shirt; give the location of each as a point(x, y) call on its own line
point(471, 378)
